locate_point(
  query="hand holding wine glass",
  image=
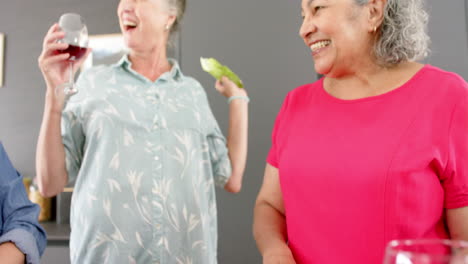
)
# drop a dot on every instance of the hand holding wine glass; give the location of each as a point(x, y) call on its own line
point(64, 50)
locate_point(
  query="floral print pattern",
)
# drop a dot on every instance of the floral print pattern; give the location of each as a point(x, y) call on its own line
point(144, 158)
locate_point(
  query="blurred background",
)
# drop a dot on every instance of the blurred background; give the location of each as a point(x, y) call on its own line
point(257, 39)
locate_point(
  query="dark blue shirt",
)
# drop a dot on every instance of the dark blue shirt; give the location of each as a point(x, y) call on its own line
point(18, 219)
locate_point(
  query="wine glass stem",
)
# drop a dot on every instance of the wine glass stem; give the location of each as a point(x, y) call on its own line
point(71, 73)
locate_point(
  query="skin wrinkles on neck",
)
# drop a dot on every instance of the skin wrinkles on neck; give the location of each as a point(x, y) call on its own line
point(370, 81)
point(150, 63)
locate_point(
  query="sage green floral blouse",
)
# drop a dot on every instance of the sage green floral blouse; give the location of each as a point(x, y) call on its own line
point(144, 158)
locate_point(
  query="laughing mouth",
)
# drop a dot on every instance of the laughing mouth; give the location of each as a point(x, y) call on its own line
point(129, 25)
point(319, 45)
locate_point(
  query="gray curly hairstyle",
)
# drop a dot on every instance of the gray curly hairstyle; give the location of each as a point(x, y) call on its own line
point(403, 32)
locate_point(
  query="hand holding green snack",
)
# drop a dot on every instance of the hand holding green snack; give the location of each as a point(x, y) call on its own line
point(217, 70)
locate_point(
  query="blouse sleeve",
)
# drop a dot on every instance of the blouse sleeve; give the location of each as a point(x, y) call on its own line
point(455, 180)
point(219, 157)
point(272, 157)
point(18, 223)
point(217, 144)
point(73, 136)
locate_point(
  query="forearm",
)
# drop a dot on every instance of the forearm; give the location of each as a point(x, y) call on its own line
point(50, 154)
point(269, 230)
point(237, 142)
point(10, 254)
point(457, 220)
point(27, 238)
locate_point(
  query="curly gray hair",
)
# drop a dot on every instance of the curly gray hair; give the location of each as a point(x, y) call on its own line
point(403, 32)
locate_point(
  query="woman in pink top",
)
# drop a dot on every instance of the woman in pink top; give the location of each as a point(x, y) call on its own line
point(374, 151)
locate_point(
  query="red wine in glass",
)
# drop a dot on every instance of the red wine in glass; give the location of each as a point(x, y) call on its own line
point(76, 52)
point(76, 35)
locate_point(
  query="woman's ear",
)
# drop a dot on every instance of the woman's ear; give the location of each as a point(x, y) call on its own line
point(170, 20)
point(376, 9)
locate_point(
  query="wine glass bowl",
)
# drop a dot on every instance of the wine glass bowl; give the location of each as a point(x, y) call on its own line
point(426, 251)
point(76, 36)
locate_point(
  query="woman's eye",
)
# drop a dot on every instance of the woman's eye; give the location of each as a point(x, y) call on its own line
point(315, 9)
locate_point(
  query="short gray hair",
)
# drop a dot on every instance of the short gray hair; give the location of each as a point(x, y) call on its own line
point(403, 32)
point(178, 7)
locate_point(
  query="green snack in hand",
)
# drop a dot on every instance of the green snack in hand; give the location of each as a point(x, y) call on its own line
point(217, 70)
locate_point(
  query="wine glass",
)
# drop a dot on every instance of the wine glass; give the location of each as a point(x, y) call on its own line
point(76, 35)
point(426, 251)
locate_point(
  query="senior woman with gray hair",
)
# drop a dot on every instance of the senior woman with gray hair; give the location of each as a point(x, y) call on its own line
point(141, 146)
point(374, 151)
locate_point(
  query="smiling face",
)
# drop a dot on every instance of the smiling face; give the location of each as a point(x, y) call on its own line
point(337, 32)
point(144, 23)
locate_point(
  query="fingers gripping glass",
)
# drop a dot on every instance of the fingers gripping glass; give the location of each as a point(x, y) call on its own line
point(76, 36)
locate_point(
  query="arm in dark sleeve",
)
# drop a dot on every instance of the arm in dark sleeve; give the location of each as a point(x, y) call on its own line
point(18, 214)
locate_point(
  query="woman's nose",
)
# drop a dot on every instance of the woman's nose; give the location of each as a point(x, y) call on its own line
point(307, 28)
point(127, 4)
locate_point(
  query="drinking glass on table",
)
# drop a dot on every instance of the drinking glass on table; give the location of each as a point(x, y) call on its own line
point(76, 36)
point(426, 251)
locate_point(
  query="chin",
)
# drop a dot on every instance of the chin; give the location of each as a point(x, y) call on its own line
point(322, 70)
point(322, 66)
point(127, 41)
point(131, 45)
